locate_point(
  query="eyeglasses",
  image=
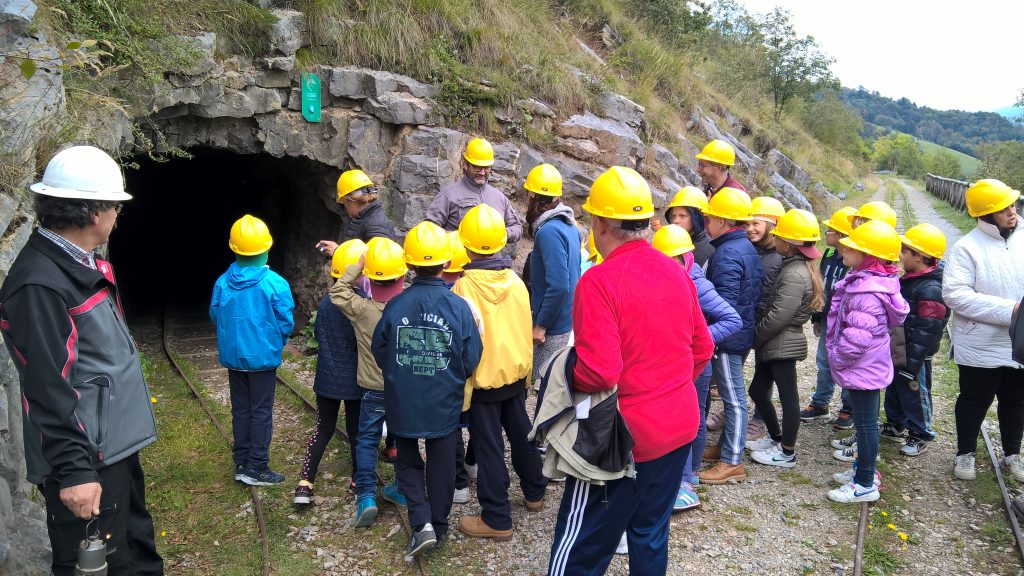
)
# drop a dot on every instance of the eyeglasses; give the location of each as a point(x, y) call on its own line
point(118, 207)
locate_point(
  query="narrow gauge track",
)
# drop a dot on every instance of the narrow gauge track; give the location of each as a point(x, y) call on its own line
point(257, 504)
point(1018, 537)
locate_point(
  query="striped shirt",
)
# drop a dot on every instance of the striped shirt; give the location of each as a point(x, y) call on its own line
point(79, 255)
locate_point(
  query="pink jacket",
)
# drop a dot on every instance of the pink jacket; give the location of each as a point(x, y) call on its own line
point(866, 305)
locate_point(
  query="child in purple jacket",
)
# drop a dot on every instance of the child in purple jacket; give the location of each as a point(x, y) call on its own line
point(866, 305)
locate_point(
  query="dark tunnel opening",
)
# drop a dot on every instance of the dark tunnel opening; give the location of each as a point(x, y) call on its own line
point(171, 240)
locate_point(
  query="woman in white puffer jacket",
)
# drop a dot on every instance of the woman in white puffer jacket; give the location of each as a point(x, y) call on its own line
point(983, 284)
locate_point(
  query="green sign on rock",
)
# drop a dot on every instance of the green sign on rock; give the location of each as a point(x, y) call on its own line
point(311, 97)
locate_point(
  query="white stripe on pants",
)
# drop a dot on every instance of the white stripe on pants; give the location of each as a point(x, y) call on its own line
point(581, 491)
point(733, 392)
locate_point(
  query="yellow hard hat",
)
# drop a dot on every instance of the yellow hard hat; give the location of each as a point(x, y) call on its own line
point(592, 253)
point(620, 193)
point(479, 152)
point(672, 240)
point(988, 196)
point(689, 196)
point(482, 230)
point(731, 204)
point(876, 210)
point(545, 180)
point(767, 208)
point(798, 226)
point(841, 220)
point(875, 237)
point(719, 152)
point(427, 245)
point(459, 256)
point(346, 255)
point(350, 181)
point(249, 236)
point(926, 239)
point(384, 259)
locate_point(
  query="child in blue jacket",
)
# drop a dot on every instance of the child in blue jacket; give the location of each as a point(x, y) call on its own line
point(252, 311)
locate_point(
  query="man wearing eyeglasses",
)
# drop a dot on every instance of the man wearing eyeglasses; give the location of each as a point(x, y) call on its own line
point(713, 165)
point(61, 319)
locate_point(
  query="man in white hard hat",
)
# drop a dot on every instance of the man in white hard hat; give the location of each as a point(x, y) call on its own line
point(61, 318)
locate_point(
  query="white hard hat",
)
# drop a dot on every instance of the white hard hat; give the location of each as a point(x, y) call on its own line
point(84, 172)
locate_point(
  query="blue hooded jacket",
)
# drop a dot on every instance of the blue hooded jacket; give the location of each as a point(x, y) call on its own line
point(252, 310)
point(737, 273)
point(554, 270)
point(337, 357)
point(722, 320)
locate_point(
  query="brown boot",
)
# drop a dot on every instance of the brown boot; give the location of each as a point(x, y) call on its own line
point(723, 473)
point(712, 453)
point(535, 506)
point(475, 527)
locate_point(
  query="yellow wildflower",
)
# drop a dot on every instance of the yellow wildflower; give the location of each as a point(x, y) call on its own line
point(903, 536)
point(884, 514)
point(890, 526)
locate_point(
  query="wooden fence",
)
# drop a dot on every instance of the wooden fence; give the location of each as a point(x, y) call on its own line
point(948, 190)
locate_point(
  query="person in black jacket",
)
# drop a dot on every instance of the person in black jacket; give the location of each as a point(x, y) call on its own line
point(62, 322)
point(365, 216)
point(427, 345)
point(908, 400)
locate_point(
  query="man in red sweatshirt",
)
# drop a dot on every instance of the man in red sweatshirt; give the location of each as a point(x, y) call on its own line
point(637, 326)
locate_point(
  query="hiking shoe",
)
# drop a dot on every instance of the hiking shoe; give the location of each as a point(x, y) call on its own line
point(756, 429)
point(623, 547)
point(848, 454)
point(723, 473)
point(686, 498)
point(712, 453)
point(264, 477)
point(840, 443)
point(389, 455)
point(471, 470)
point(303, 495)
point(391, 493)
point(814, 412)
point(761, 444)
point(366, 512)
point(1014, 464)
point(843, 421)
point(774, 456)
point(461, 496)
point(422, 541)
point(534, 505)
point(475, 527)
point(963, 466)
point(914, 447)
point(853, 492)
point(716, 421)
point(846, 476)
point(892, 433)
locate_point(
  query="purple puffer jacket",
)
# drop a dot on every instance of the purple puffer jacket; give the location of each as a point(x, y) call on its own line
point(866, 305)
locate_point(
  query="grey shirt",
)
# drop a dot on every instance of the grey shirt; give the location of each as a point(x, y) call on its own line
point(454, 200)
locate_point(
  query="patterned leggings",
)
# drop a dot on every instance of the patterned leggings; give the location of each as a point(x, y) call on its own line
point(326, 421)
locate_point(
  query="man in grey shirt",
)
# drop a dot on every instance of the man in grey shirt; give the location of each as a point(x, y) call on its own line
point(454, 200)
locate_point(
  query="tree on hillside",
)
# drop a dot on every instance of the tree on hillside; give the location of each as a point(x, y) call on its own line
point(676, 21)
point(942, 162)
point(1003, 161)
point(796, 66)
point(900, 153)
point(835, 124)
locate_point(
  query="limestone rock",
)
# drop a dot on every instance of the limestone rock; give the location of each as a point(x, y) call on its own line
point(32, 105)
point(244, 103)
point(788, 169)
point(746, 160)
point(618, 144)
point(347, 82)
point(108, 127)
point(535, 107)
point(273, 78)
point(203, 45)
point(287, 133)
point(286, 63)
point(289, 33)
point(418, 179)
point(437, 142)
point(7, 211)
point(360, 83)
point(400, 108)
point(369, 143)
point(15, 17)
point(235, 134)
point(577, 177)
point(789, 194)
point(622, 109)
point(503, 172)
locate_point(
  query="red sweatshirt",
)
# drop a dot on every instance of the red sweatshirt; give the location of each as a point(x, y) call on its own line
point(638, 326)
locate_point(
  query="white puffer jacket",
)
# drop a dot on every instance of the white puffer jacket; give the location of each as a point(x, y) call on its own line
point(983, 280)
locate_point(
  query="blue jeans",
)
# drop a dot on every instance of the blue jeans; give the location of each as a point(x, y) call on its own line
point(371, 428)
point(825, 386)
point(728, 371)
point(252, 416)
point(703, 386)
point(908, 408)
point(865, 420)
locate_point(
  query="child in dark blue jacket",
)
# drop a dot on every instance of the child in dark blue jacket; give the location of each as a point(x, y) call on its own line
point(252, 311)
point(427, 345)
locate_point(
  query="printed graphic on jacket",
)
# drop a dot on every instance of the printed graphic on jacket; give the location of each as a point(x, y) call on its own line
point(426, 349)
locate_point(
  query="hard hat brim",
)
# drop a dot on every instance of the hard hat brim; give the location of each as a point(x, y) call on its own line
point(703, 156)
point(548, 193)
point(480, 163)
point(58, 192)
point(917, 247)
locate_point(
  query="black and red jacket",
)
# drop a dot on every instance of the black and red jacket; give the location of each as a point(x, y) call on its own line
point(85, 400)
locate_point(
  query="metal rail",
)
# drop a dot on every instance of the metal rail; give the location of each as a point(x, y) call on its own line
point(858, 554)
point(1007, 502)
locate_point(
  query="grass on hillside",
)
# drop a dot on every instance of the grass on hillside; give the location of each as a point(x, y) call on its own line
point(968, 164)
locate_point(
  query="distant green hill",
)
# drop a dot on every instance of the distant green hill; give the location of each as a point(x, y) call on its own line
point(969, 164)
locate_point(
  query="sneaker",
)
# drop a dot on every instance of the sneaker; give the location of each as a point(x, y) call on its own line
point(695, 480)
point(303, 495)
point(848, 454)
point(623, 547)
point(391, 493)
point(712, 453)
point(471, 470)
point(389, 455)
point(264, 477)
point(914, 447)
point(761, 444)
point(238, 472)
point(963, 467)
point(814, 412)
point(756, 429)
point(1014, 464)
point(723, 473)
point(422, 541)
point(475, 527)
point(892, 433)
point(840, 443)
point(853, 492)
point(461, 496)
point(686, 498)
point(846, 476)
point(774, 457)
point(366, 512)
point(843, 421)
point(716, 421)
point(352, 486)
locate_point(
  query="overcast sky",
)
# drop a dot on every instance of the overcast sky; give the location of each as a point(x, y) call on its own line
point(915, 48)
